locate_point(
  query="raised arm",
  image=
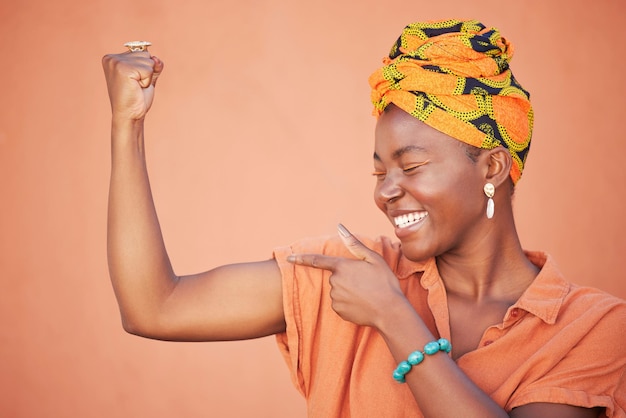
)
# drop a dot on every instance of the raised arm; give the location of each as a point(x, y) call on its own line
point(230, 302)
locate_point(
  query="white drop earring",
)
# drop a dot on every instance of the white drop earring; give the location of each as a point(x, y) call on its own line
point(490, 190)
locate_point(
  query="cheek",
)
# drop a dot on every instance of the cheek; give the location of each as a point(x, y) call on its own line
point(465, 200)
point(452, 196)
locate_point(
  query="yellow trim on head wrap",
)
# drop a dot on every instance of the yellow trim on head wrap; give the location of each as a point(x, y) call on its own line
point(454, 76)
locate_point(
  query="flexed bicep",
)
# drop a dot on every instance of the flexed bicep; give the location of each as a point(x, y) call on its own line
point(230, 302)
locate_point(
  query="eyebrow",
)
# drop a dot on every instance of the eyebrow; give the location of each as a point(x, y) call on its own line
point(400, 152)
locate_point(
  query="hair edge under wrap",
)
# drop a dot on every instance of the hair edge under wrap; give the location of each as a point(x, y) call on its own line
point(454, 76)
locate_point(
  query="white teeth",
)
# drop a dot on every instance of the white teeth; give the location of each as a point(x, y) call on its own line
point(403, 221)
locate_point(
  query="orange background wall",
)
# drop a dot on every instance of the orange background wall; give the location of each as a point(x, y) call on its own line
point(261, 134)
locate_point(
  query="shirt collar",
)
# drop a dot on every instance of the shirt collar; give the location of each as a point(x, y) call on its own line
point(406, 268)
point(543, 298)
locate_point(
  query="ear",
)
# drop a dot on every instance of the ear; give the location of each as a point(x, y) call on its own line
point(498, 163)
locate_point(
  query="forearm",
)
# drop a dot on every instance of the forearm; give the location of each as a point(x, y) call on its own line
point(139, 267)
point(439, 386)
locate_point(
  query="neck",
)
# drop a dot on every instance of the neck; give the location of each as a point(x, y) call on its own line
point(496, 268)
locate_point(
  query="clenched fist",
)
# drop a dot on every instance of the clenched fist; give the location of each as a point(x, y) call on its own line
point(131, 77)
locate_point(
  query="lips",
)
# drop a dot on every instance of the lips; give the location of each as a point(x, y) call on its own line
point(408, 219)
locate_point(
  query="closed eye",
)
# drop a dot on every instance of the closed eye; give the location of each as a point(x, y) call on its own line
point(412, 167)
point(409, 169)
point(380, 175)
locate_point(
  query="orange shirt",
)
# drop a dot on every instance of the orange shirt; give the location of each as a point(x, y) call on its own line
point(559, 343)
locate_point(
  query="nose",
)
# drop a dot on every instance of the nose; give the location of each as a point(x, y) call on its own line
point(388, 189)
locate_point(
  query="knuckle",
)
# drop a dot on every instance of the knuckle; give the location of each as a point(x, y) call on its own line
point(352, 241)
point(108, 60)
point(332, 282)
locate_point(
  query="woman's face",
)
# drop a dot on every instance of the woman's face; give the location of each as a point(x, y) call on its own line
point(428, 187)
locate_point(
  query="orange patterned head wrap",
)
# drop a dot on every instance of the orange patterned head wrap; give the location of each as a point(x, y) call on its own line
point(454, 76)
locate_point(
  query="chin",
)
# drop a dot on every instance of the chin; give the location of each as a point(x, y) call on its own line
point(415, 253)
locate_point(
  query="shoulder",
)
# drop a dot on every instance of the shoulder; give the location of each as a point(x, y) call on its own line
point(334, 246)
point(604, 314)
point(552, 289)
point(575, 313)
point(590, 298)
point(592, 317)
point(390, 250)
point(577, 355)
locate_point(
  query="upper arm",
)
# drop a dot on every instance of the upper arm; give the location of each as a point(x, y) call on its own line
point(549, 410)
point(232, 302)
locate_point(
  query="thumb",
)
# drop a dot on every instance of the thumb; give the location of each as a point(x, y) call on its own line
point(158, 69)
point(148, 76)
point(356, 247)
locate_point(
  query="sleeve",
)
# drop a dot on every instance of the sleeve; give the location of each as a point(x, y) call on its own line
point(302, 313)
point(311, 322)
point(590, 373)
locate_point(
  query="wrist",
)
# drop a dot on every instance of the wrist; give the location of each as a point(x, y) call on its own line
point(398, 316)
point(126, 130)
point(418, 356)
point(126, 135)
point(123, 122)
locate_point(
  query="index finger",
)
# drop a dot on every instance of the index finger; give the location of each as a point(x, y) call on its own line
point(318, 261)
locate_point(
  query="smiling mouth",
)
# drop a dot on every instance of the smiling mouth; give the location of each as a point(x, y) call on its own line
point(409, 219)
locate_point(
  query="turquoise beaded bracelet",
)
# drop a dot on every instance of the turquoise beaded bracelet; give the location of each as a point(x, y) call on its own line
point(416, 357)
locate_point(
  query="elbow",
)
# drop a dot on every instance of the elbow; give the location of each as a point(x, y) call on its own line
point(138, 327)
point(132, 327)
point(147, 327)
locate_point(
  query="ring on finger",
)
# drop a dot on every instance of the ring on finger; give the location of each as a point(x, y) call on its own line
point(137, 46)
